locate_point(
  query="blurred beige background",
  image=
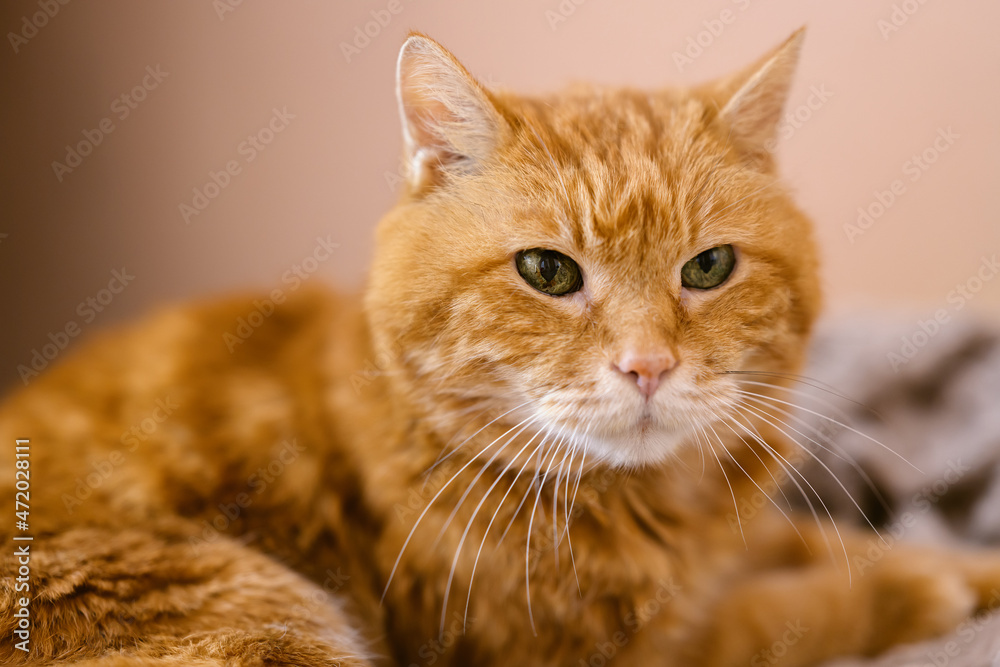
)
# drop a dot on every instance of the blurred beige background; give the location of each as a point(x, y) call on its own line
point(891, 94)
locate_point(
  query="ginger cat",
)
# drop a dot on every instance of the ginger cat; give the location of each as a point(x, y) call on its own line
point(524, 447)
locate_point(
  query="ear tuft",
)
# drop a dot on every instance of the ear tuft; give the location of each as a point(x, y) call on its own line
point(754, 98)
point(449, 121)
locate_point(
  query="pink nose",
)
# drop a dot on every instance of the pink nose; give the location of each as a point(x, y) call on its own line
point(646, 369)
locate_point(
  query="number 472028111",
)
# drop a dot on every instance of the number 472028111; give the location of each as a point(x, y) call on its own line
point(22, 482)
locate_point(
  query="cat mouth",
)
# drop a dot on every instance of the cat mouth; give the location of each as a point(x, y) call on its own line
point(646, 423)
point(630, 433)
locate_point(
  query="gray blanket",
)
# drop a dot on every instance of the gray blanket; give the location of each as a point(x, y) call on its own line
point(932, 396)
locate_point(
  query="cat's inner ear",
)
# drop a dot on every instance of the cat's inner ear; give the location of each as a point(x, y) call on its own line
point(449, 122)
point(753, 99)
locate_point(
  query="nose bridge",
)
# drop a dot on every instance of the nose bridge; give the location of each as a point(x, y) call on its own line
point(645, 325)
point(644, 350)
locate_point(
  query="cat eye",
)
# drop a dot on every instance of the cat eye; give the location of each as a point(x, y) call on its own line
point(549, 271)
point(709, 269)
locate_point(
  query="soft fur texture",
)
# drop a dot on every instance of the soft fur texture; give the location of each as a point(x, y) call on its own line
point(471, 448)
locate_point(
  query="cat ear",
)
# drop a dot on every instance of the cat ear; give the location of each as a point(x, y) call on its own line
point(754, 98)
point(449, 122)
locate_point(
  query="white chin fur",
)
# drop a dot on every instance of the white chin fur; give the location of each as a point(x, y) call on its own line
point(626, 432)
point(633, 448)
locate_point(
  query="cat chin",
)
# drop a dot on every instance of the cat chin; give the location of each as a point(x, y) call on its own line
point(635, 448)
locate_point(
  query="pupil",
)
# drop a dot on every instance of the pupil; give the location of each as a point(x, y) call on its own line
point(706, 260)
point(548, 266)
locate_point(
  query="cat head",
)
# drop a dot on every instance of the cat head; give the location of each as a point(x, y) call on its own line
point(592, 264)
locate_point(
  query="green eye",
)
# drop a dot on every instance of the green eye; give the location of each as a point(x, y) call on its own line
point(549, 271)
point(709, 269)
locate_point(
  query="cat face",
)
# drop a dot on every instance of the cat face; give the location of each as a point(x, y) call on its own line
point(589, 266)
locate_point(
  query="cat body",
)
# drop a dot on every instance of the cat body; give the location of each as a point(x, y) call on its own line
point(526, 445)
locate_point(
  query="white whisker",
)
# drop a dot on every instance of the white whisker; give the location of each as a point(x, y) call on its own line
point(527, 547)
point(801, 379)
point(441, 459)
point(838, 423)
point(468, 489)
point(754, 482)
point(496, 513)
point(821, 463)
point(426, 509)
point(792, 468)
point(732, 493)
point(468, 527)
point(840, 453)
